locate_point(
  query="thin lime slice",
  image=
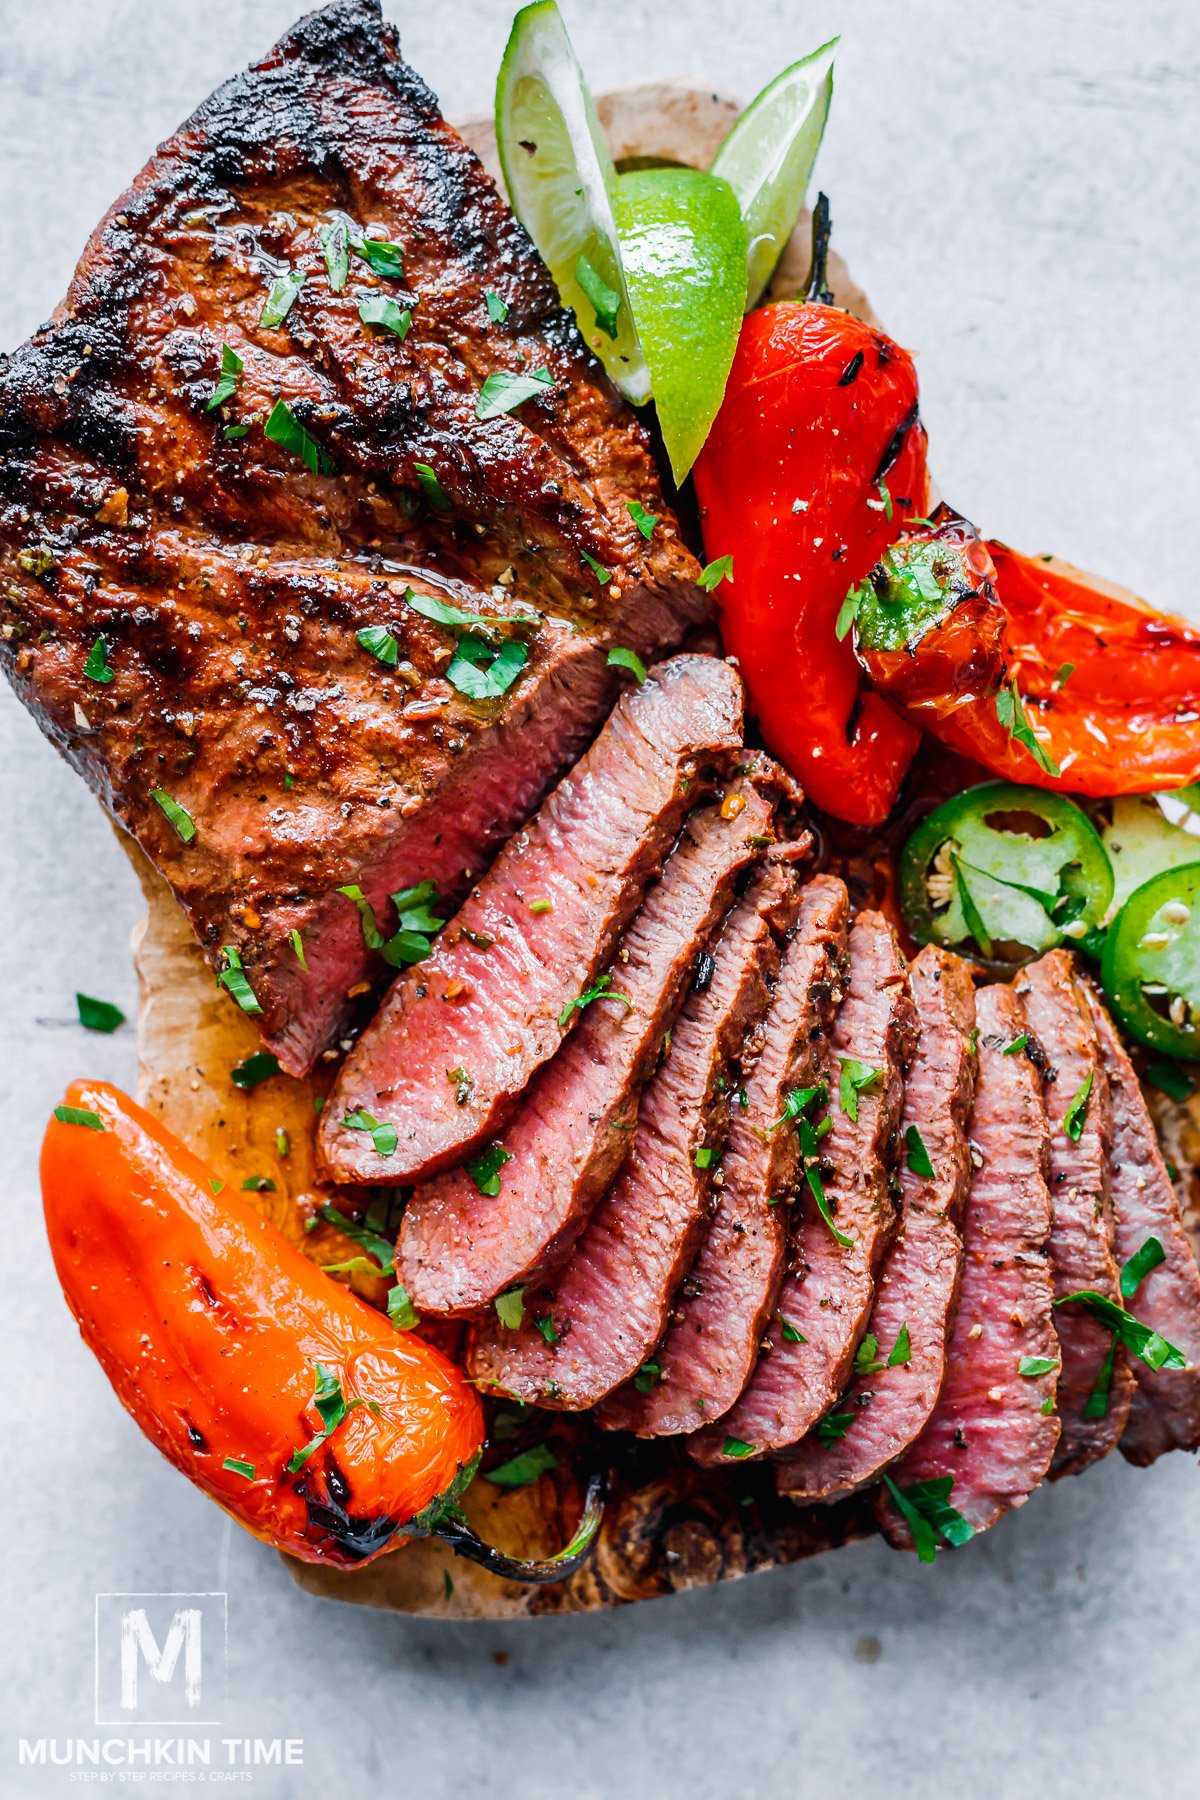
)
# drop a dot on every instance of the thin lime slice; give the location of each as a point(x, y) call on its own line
point(768, 158)
point(560, 179)
point(683, 245)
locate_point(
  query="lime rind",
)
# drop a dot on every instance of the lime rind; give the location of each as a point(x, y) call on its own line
point(560, 180)
point(768, 158)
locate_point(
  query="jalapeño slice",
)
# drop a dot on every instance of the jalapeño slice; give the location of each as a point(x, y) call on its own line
point(1004, 873)
point(1151, 963)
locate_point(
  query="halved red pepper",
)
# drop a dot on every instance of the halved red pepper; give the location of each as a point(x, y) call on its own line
point(816, 459)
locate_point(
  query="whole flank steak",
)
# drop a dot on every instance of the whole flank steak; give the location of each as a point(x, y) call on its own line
point(315, 522)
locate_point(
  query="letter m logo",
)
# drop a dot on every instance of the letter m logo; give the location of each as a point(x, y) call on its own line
point(160, 1658)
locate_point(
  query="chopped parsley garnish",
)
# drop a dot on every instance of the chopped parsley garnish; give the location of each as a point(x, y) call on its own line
point(416, 923)
point(603, 575)
point(849, 609)
point(972, 917)
point(833, 1426)
point(510, 1308)
point(234, 980)
point(284, 428)
point(503, 391)
point(96, 667)
point(236, 1466)
point(401, 1311)
point(1144, 1259)
point(378, 640)
point(648, 1377)
point(298, 947)
point(1064, 675)
point(789, 1332)
point(1145, 1344)
point(926, 1510)
point(332, 1406)
point(523, 1468)
point(384, 1137)
point(457, 618)
point(715, 572)
point(1032, 1366)
point(483, 672)
point(795, 1103)
point(36, 562)
point(485, 1168)
point(281, 296)
point(462, 1083)
point(1076, 1113)
point(886, 497)
point(386, 259)
point(867, 1360)
point(645, 521)
point(79, 1115)
point(1011, 713)
point(282, 1143)
point(541, 906)
point(177, 815)
point(255, 1069)
point(605, 301)
point(704, 1156)
point(435, 494)
point(258, 1184)
point(497, 310)
point(234, 431)
point(547, 1328)
point(231, 373)
point(334, 240)
point(98, 1015)
point(1096, 1404)
point(1018, 1044)
point(916, 1155)
point(736, 1447)
point(601, 989)
point(620, 658)
point(368, 1241)
point(900, 1354)
point(376, 309)
point(857, 1078)
point(1169, 1078)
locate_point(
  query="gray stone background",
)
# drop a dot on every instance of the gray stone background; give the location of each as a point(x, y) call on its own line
point(1015, 186)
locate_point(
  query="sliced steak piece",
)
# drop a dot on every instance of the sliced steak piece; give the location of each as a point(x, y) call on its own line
point(459, 1246)
point(826, 1297)
point(993, 1429)
point(1083, 1237)
point(729, 1295)
point(229, 573)
point(889, 1403)
point(1164, 1413)
point(493, 999)
point(609, 1306)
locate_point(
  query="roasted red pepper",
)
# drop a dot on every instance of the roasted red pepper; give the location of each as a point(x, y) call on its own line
point(816, 459)
point(1039, 672)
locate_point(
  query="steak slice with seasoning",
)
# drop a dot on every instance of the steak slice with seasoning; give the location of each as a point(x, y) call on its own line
point(1164, 1413)
point(826, 1297)
point(227, 574)
point(715, 1330)
point(460, 1246)
point(1083, 1236)
point(609, 1306)
point(994, 1429)
point(887, 1404)
point(492, 1001)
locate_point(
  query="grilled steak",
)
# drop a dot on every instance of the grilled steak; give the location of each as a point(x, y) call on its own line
point(1083, 1236)
point(826, 1296)
point(1164, 1413)
point(460, 1244)
point(492, 999)
point(183, 593)
point(715, 1331)
point(993, 1429)
point(889, 1403)
point(609, 1305)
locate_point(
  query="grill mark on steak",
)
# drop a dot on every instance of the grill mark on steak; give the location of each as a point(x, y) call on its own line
point(611, 1302)
point(918, 1286)
point(230, 583)
point(491, 996)
point(1164, 1412)
point(828, 1289)
point(1083, 1235)
point(458, 1249)
point(988, 1430)
point(715, 1331)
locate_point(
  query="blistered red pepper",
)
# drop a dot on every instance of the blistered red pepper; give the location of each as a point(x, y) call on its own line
point(814, 462)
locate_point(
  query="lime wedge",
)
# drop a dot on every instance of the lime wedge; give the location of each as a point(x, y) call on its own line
point(683, 245)
point(560, 179)
point(768, 158)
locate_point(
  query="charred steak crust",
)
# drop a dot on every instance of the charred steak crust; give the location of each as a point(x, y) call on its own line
point(715, 1330)
point(228, 582)
point(994, 1429)
point(459, 1248)
point(495, 998)
point(1083, 1236)
point(915, 1295)
point(825, 1300)
point(609, 1306)
point(1164, 1413)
